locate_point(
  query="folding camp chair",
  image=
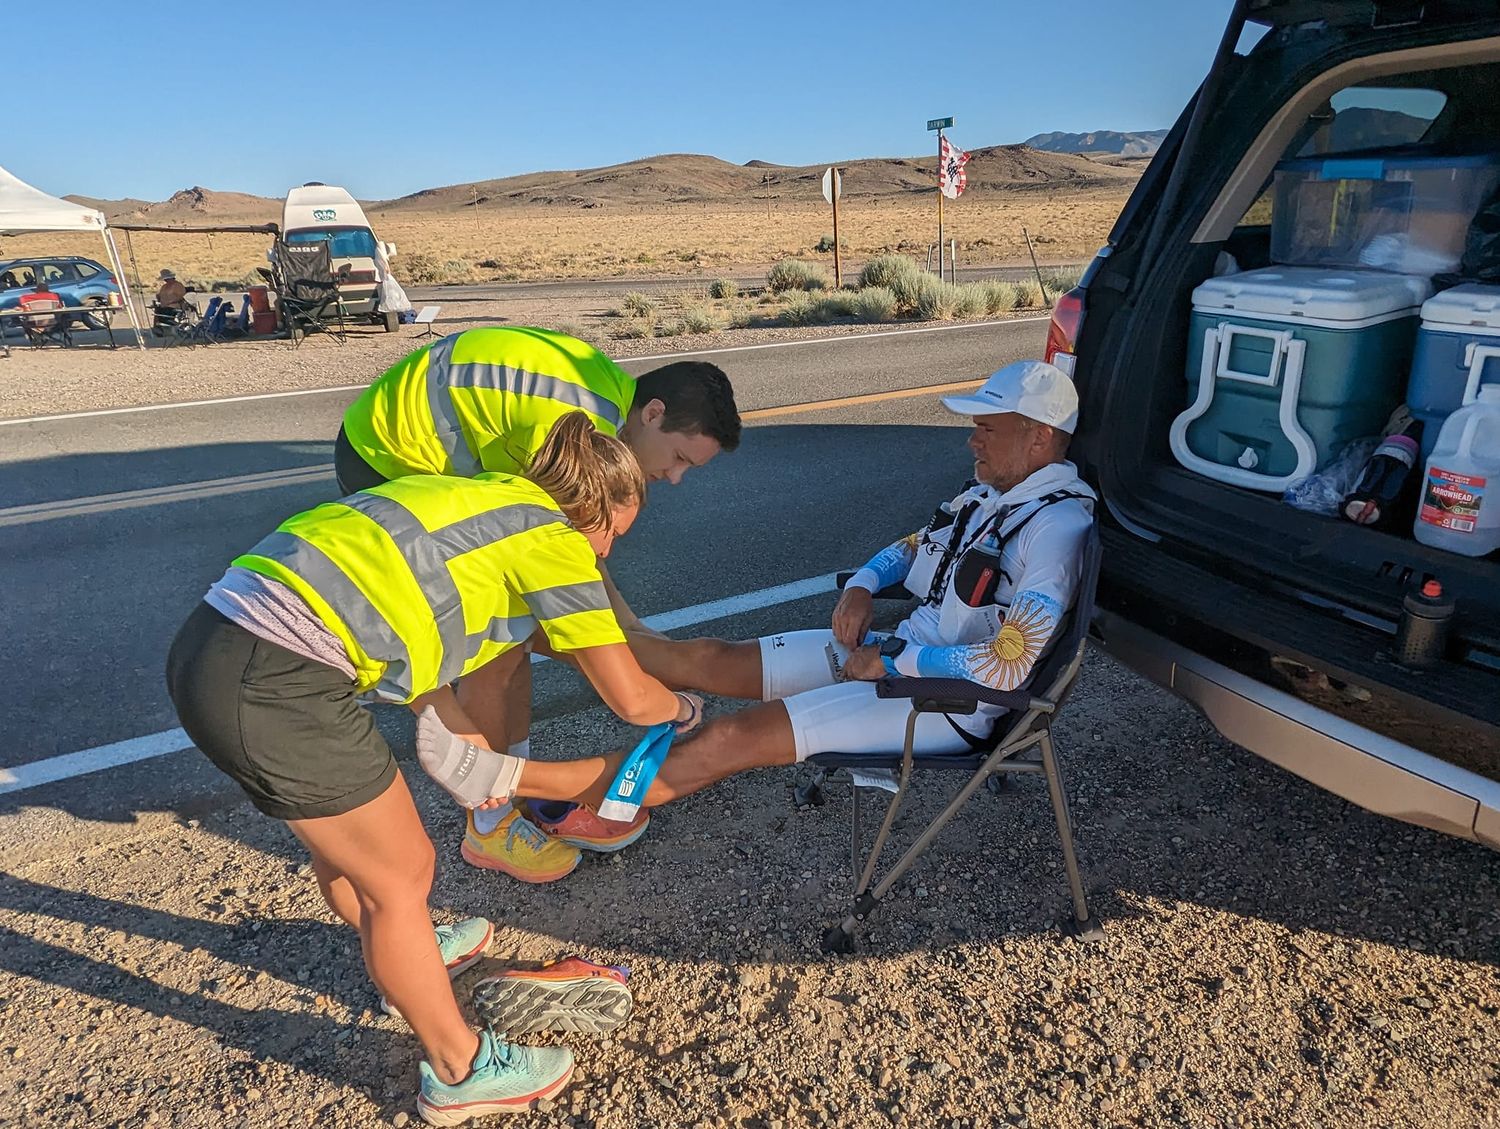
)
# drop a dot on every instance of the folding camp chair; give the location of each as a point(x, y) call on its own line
point(43, 323)
point(1025, 729)
point(308, 290)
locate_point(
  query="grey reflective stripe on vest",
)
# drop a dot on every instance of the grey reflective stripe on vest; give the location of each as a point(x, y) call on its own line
point(450, 431)
point(427, 555)
point(443, 375)
point(375, 636)
point(470, 533)
point(566, 599)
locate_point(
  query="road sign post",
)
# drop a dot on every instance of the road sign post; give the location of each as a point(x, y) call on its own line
point(940, 124)
point(833, 185)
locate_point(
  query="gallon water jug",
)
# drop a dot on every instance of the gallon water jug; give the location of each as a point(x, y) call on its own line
point(1460, 508)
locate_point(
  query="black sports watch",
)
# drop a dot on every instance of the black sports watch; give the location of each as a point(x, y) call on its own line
point(890, 647)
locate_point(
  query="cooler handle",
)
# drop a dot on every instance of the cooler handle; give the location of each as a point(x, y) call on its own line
point(1280, 339)
point(1476, 356)
point(1307, 452)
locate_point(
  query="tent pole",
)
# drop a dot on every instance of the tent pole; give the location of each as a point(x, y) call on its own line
point(119, 269)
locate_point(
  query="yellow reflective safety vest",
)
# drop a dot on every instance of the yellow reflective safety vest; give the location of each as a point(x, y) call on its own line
point(484, 399)
point(425, 579)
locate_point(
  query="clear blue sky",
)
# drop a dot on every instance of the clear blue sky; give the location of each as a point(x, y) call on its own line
point(388, 98)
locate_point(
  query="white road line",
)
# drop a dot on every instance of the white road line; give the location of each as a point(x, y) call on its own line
point(853, 337)
point(69, 765)
point(156, 495)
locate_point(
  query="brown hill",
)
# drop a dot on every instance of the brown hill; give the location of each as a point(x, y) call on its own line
point(690, 178)
point(670, 178)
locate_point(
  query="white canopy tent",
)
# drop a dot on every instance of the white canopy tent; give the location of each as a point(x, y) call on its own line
point(26, 209)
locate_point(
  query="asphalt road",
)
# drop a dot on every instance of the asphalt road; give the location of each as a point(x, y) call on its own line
point(113, 525)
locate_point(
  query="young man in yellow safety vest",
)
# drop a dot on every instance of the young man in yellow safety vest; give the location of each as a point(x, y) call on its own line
point(485, 400)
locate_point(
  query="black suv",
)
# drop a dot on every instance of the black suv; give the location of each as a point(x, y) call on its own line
point(1278, 624)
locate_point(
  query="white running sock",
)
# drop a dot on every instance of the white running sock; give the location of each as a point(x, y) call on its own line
point(468, 772)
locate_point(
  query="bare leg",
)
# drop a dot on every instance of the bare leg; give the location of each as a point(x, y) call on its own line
point(497, 698)
point(382, 851)
point(337, 892)
point(714, 666)
point(758, 737)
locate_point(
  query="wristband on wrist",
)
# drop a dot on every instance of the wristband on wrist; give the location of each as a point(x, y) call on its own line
point(692, 708)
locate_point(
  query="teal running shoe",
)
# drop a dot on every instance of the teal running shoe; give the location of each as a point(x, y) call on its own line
point(461, 944)
point(506, 1079)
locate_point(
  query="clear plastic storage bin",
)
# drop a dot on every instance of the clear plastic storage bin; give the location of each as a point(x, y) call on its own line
point(1388, 211)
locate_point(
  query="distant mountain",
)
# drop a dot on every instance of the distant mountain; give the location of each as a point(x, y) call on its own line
point(667, 179)
point(1139, 143)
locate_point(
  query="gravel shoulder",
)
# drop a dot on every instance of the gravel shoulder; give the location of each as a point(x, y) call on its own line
point(1274, 957)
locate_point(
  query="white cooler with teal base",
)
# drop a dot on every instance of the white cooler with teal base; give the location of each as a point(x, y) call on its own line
point(1286, 365)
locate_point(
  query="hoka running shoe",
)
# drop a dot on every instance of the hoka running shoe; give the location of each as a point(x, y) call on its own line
point(579, 827)
point(517, 847)
point(571, 994)
point(506, 1079)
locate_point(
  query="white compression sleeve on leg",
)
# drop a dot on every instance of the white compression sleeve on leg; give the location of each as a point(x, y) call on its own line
point(469, 773)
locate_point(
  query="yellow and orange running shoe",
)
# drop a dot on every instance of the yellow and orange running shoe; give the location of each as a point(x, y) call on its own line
point(520, 849)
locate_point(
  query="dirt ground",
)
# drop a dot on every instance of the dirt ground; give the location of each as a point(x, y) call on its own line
point(524, 243)
point(1273, 958)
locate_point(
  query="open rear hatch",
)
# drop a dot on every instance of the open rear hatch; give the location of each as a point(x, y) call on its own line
point(1248, 577)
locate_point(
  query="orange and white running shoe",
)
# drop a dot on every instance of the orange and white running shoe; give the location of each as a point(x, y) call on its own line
point(571, 994)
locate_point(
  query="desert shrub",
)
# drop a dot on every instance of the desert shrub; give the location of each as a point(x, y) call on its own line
point(875, 303)
point(721, 288)
point(839, 304)
point(999, 296)
point(631, 329)
point(671, 328)
point(800, 309)
point(968, 300)
point(1028, 294)
point(572, 329)
point(697, 319)
point(638, 304)
point(1059, 280)
point(794, 274)
point(417, 268)
point(739, 315)
point(936, 299)
point(825, 245)
point(884, 270)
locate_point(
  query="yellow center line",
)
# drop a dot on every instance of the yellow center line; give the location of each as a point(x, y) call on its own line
point(868, 398)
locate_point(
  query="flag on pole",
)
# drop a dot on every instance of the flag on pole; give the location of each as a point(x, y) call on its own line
point(951, 175)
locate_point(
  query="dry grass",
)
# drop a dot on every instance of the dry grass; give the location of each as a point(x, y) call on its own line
point(555, 242)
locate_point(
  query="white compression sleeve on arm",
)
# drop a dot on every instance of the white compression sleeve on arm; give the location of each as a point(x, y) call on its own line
point(468, 772)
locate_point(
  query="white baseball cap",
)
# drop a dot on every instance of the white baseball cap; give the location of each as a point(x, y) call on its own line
point(1033, 389)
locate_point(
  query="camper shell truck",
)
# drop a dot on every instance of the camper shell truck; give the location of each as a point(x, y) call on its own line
point(326, 213)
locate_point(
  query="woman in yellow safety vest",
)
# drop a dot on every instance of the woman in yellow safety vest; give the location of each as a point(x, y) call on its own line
point(394, 593)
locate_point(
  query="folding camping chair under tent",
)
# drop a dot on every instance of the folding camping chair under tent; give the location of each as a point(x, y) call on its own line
point(26, 209)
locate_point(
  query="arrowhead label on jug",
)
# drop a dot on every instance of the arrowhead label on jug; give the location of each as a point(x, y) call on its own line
point(1452, 501)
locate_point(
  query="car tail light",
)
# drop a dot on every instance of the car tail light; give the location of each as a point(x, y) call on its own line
point(1062, 334)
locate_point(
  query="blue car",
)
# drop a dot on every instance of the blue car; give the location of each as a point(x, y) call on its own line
point(78, 282)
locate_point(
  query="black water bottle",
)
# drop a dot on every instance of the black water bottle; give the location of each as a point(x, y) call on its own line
point(1380, 483)
point(1422, 631)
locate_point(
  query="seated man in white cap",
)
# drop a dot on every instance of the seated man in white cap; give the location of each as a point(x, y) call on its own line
point(995, 570)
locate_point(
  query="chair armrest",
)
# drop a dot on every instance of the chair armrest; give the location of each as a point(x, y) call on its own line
point(938, 692)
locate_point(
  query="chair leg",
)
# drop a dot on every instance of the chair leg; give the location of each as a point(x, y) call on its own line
point(1082, 926)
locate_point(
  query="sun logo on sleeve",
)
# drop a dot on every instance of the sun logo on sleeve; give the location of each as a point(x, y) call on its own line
point(1006, 661)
